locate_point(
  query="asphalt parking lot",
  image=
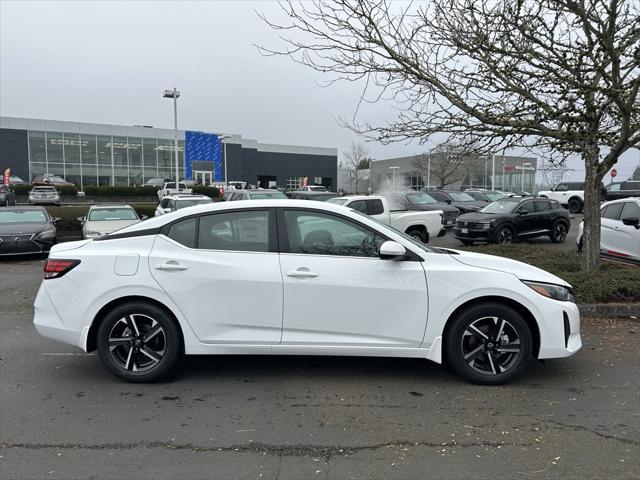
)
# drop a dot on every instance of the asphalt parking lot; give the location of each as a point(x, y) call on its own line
point(63, 416)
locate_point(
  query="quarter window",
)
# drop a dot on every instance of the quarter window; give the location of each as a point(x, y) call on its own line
point(184, 232)
point(321, 234)
point(246, 231)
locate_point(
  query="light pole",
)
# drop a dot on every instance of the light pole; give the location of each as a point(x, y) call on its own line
point(223, 139)
point(393, 169)
point(175, 94)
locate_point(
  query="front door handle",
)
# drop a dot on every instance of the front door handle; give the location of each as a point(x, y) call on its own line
point(301, 273)
point(171, 266)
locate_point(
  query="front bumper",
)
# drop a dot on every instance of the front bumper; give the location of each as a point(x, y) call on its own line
point(474, 235)
point(562, 323)
point(24, 245)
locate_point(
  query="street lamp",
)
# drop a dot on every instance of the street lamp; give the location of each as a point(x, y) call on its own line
point(222, 138)
point(393, 187)
point(175, 94)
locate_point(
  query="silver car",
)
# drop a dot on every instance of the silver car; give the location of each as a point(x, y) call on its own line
point(103, 219)
point(43, 195)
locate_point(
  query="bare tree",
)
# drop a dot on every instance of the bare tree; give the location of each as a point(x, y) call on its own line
point(445, 164)
point(556, 74)
point(552, 174)
point(356, 157)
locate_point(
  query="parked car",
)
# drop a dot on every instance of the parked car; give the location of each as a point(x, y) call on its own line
point(318, 196)
point(313, 188)
point(169, 188)
point(157, 181)
point(629, 188)
point(570, 195)
point(412, 200)
point(15, 180)
point(326, 279)
point(50, 180)
point(260, 194)
point(7, 196)
point(103, 219)
point(461, 200)
point(172, 203)
point(619, 230)
point(485, 195)
point(514, 218)
point(421, 225)
point(42, 195)
point(26, 230)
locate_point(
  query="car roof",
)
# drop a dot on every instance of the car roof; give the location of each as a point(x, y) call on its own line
point(96, 207)
point(620, 200)
point(159, 221)
point(185, 196)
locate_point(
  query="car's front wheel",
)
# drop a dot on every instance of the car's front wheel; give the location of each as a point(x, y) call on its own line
point(505, 235)
point(559, 232)
point(139, 342)
point(489, 344)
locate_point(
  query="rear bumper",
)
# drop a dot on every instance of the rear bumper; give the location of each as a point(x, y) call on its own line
point(48, 322)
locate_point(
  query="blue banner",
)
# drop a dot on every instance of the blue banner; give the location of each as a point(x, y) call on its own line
point(200, 146)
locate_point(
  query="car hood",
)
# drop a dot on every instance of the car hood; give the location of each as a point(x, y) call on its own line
point(479, 216)
point(108, 226)
point(523, 271)
point(432, 206)
point(470, 205)
point(23, 228)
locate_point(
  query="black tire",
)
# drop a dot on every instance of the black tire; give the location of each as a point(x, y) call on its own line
point(559, 232)
point(490, 360)
point(418, 235)
point(147, 343)
point(505, 235)
point(467, 243)
point(575, 205)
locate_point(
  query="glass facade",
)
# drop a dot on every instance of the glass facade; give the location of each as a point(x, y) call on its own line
point(86, 159)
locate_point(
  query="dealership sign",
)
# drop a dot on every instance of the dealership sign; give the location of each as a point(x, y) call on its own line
point(202, 147)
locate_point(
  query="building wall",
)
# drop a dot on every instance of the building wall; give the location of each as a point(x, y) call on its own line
point(111, 154)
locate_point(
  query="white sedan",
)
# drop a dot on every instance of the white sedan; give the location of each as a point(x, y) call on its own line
point(103, 219)
point(619, 230)
point(293, 277)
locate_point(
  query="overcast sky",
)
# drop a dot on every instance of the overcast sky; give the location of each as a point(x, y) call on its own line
point(108, 62)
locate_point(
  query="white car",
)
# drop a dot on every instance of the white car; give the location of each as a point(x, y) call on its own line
point(103, 219)
point(294, 277)
point(569, 194)
point(172, 203)
point(619, 230)
point(169, 188)
point(421, 225)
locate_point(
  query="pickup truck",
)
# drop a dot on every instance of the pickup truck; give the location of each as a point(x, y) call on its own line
point(169, 188)
point(421, 225)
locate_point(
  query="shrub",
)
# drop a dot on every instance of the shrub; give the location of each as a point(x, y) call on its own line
point(213, 192)
point(120, 191)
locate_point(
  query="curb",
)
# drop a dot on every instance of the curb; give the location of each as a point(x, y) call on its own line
point(618, 310)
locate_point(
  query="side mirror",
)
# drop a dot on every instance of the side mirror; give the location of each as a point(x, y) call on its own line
point(166, 210)
point(632, 222)
point(56, 219)
point(81, 219)
point(143, 217)
point(523, 212)
point(392, 251)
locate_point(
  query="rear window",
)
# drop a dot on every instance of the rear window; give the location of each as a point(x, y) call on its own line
point(45, 189)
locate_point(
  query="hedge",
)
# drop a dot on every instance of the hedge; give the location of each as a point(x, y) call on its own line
point(23, 189)
point(120, 191)
point(213, 192)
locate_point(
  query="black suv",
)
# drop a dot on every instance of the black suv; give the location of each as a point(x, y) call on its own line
point(412, 200)
point(510, 219)
point(616, 190)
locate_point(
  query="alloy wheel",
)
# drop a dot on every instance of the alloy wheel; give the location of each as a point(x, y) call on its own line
point(560, 232)
point(137, 342)
point(490, 345)
point(505, 236)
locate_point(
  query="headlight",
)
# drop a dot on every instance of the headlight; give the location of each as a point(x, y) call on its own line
point(46, 235)
point(92, 234)
point(557, 292)
point(485, 225)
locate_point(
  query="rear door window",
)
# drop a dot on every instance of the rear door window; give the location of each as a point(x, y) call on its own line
point(246, 231)
point(612, 211)
point(630, 210)
point(375, 207)
point(359, 205)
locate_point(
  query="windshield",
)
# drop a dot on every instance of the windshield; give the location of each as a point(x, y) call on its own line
point(493, 196)
point(415, 242)
point(420, 198)
point(44, 189)
point(106, 214)
point(192, 202)
point(265, 195)
point(507, 205)
point(20, 216)
point(338, 201)
point(460, 197)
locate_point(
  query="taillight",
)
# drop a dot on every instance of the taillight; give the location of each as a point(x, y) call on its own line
point(54, 268)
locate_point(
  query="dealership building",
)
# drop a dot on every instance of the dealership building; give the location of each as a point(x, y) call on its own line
point(96, 154)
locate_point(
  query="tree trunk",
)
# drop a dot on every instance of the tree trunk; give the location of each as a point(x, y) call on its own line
point(591, 234)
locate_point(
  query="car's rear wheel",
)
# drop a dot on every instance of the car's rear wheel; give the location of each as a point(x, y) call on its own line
point(489, 344)
point(575, 205)
point(559, 232)
point(139, 342)
point(504, 235)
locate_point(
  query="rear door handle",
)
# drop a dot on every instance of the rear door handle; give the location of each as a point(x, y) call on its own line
point(301, 273)
point(171, 266)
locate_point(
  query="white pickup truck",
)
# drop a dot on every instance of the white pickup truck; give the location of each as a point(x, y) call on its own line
point(169, 188)
point(421, 225)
